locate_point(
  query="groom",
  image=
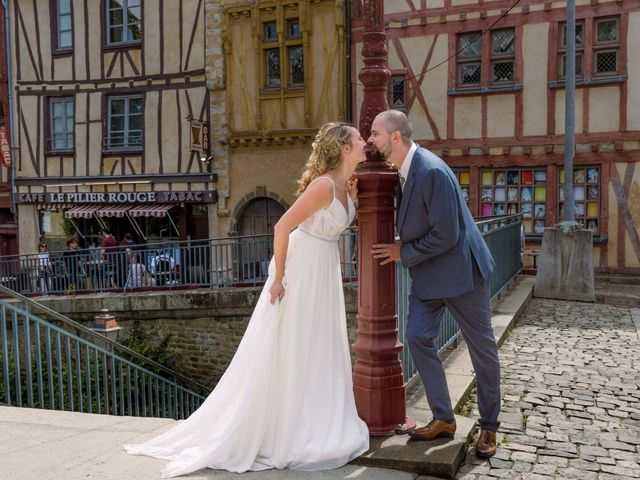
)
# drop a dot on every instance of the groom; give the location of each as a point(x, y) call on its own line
point(450, 265)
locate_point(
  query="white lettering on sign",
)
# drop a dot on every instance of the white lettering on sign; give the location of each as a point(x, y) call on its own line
point(5, 148)
point(115, 197)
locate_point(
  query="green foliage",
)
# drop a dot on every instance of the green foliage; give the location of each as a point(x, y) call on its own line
point(67, 226)
point(145, 342)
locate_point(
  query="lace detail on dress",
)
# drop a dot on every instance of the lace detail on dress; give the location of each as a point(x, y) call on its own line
point(329, 223)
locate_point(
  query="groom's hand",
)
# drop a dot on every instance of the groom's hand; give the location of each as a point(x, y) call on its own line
point(388, 252)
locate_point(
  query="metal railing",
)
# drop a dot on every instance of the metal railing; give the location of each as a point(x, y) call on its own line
point(502, 236)
point(85, 371)
point(67, 366)
point(224, 262)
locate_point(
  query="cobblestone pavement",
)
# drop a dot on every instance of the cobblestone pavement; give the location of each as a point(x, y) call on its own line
point(571, 396)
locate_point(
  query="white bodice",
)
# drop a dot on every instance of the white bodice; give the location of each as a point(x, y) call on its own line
point(329, 223)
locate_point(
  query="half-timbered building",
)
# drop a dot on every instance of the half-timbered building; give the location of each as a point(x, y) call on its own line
point(111, 119)
point(483, 84)
point(8, 225)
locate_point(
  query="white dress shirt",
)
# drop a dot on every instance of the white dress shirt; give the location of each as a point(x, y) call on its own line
point(403, 171)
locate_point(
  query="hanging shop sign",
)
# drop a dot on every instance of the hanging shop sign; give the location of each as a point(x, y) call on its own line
point(199, 136)
point(5, 149)
point(118, 197)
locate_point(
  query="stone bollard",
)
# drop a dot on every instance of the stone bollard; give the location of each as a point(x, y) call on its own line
point(565, 266)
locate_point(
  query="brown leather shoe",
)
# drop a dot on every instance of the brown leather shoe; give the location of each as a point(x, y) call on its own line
point(486, 445)
point(435, 429)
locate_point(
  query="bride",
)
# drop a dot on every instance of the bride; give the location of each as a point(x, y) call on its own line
point(286, 400)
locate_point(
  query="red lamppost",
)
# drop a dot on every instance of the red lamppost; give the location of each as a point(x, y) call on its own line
point(377, 375)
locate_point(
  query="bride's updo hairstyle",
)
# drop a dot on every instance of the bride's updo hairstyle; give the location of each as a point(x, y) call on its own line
point(327, 152)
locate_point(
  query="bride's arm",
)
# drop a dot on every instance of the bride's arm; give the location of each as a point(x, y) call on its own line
point(317, 195)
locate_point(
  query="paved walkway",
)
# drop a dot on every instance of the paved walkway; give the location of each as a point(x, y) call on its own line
point(571, 390)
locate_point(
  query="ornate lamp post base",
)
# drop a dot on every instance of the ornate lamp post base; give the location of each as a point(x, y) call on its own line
point(377, 376)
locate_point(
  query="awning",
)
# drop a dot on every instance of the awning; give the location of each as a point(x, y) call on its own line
point(53, 206)
point(117, 211)
point(82, 211)
point(159, 210)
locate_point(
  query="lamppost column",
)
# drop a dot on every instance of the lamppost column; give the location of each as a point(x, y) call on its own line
point(377, 375)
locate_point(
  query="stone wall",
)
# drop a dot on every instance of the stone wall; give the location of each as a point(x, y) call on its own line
point(205, 326)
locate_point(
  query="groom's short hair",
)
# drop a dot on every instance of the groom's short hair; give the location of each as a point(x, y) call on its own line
point(397, 121)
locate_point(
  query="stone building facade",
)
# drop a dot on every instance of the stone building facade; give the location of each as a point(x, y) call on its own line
point(276, 70)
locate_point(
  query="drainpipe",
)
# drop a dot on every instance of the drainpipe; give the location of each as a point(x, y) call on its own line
point(5, 4)
point(347, 25)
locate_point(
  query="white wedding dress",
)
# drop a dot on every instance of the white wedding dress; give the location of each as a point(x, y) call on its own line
point(286, 400)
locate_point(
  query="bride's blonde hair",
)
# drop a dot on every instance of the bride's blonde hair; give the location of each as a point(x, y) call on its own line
point(327, 152)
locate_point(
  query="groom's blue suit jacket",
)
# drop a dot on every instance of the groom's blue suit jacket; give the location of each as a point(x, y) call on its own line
point(439, 236)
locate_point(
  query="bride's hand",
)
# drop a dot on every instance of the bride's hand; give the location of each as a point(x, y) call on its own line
point(352, 190)
point(276, 291)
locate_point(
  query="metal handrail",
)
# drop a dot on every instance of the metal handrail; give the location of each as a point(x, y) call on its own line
point(150, 245)
point(97, 337)
point(234, 261)
point(56, 369)
point(481, 221)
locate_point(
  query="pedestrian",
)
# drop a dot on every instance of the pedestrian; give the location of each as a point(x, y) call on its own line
point(109, 256)
point(43, 263)
point(137, 274)
point(449, 264)
point(128, 242)
point(75, 272)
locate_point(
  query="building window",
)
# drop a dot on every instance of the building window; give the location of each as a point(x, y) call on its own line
point(283, 59)
point(501, 68)
point(516, 190)
point(296, 65)
point(293, 29)
point(270, 32)
point(63, 27)
point(604, 51)
point(586, 195)
point(606, 45)
point(397, 93)
point(61, 123)
point(125, 123)
point(124, 24)
point(503, 56)
point(562, 51)
point(271, 55)
point(469, 59)
point(272, 58)
point(463, 176)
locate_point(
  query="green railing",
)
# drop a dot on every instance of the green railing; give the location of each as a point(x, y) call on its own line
point(219, 262)
point(63, 365)
point(503, 237)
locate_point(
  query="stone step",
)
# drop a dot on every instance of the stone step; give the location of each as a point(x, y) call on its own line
point(439, 458)
point(618, 279)
point(619, 300)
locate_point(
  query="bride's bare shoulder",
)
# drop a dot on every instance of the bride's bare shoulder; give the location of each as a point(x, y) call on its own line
point(320, 192)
